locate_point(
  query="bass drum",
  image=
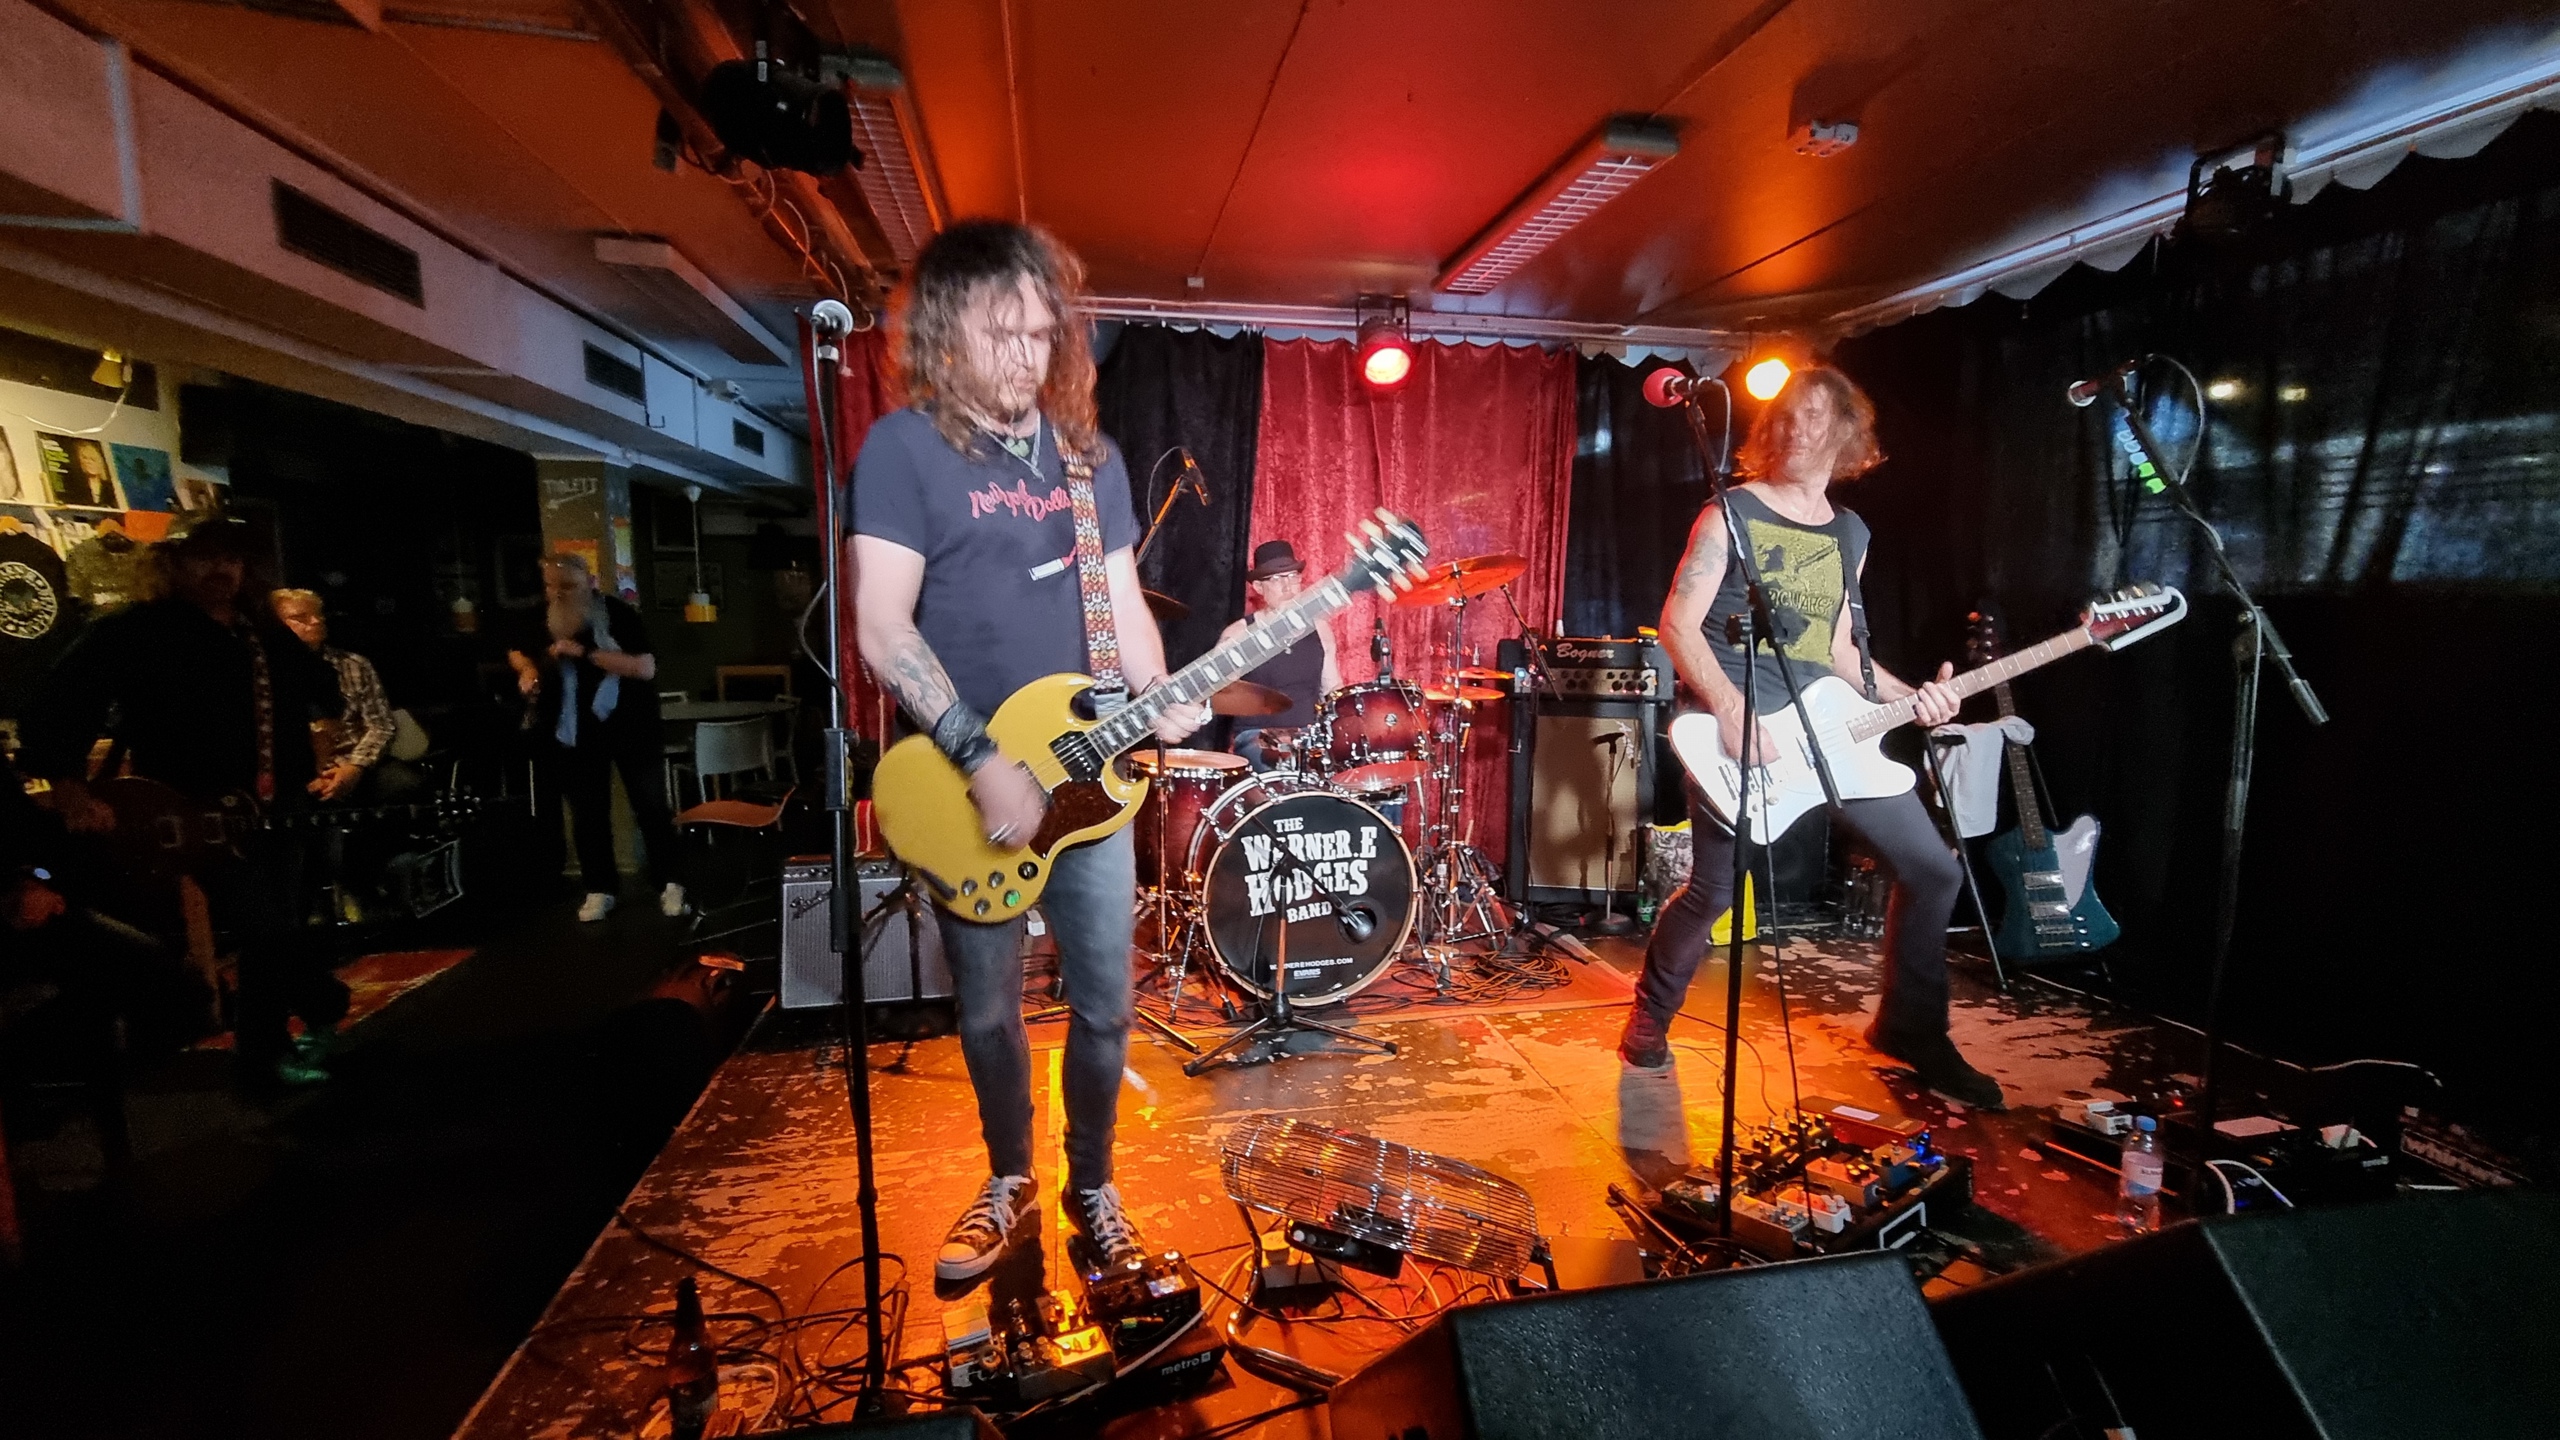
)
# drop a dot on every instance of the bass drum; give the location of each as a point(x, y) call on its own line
point(1292, 860)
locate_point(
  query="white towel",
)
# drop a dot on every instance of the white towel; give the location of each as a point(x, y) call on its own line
point(1972, 767)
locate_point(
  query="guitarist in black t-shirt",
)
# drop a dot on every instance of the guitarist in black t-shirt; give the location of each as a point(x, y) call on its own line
point(964, 549)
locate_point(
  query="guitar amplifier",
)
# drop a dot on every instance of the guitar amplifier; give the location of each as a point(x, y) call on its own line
point(1583, 767)
point(813, 975)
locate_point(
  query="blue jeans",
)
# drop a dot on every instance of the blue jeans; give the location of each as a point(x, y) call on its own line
point(1091, 905)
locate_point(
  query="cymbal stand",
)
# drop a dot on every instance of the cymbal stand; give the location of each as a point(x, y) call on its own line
point(1267, 1037)
point(1457, 878)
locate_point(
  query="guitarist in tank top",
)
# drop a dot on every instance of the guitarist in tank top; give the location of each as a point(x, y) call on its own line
point(1305, 672)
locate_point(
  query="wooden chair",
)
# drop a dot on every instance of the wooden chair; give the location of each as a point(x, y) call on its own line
point(753, 682)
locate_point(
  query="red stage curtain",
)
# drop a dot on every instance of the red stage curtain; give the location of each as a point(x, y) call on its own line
point(1476, 449)
point(863, 394)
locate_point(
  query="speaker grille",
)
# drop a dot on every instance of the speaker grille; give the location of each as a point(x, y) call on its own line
point(363, 254)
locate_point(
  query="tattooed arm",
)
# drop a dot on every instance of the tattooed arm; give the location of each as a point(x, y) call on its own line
point(887, 579)
point(1684, 611)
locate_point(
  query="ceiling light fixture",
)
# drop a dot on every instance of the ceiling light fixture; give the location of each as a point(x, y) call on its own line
point(1596, 172)
point(898, 180)
point(113, 370)
point(1766, 378)
point(2223, 390)
point(1383, 350)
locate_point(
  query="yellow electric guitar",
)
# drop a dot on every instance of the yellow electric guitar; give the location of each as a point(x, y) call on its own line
point(922, 800)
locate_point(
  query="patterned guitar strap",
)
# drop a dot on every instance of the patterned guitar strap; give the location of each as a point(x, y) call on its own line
point(1101, 636)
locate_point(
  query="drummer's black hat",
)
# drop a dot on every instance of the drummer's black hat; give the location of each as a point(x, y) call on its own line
point(1273, 557)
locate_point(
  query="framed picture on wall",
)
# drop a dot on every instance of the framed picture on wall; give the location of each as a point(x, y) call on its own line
point(15, 485)
point(670, 520)
point(672, 580)
point(519, 571)
point(144, 473)
point(76, 472)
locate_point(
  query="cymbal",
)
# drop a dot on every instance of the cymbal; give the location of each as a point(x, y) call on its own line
point(1165, 607)
point(1243, 698)
point(1474, 575)
point(1485, 673)
point(1471, 693)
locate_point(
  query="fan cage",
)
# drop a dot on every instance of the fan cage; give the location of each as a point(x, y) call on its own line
point(1412, 1201)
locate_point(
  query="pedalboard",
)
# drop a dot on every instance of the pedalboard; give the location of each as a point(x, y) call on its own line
point(1132, 1322)
point(1814, 1184)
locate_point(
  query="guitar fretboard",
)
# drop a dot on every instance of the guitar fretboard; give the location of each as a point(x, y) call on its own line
point(1214, 671)
point(1895, 713)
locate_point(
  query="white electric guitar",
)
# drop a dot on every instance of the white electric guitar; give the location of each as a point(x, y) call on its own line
point(1851, 729)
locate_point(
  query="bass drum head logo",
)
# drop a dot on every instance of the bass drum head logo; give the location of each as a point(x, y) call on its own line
point(1327, 871)
point(29, 605)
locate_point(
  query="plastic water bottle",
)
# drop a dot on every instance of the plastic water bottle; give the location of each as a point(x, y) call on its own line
point(2138, 1196)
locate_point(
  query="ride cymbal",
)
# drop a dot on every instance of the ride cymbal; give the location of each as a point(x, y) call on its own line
point(1244, 699)
point(1453, 579)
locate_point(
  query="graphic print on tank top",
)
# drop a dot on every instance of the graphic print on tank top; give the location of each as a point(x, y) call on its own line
point(1800, 570)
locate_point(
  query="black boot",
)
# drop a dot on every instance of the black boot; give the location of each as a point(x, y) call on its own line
point(1940, 1066)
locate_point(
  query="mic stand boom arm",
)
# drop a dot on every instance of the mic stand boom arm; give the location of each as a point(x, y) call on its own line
point(2256, 642)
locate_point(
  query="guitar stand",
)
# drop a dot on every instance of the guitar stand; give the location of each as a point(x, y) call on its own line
point(1930, 746)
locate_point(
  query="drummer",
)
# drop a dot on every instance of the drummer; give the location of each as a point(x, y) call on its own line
point(1306, 672)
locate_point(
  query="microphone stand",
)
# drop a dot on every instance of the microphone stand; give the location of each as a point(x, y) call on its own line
point(843, 896)
point(1281, 1016)
point(2256, 643)
point(1754, 624)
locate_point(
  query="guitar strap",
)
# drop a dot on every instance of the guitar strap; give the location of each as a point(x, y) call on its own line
point(1101, 634)
point(1857, 621)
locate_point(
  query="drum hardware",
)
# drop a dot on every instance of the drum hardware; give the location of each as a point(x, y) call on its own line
point(1268, 1034)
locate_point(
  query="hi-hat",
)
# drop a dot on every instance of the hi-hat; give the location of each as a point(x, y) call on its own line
point(1165, 608)
point(1244, 699)
point(1453, 579)
point(1472, 694)
point(1485, 673)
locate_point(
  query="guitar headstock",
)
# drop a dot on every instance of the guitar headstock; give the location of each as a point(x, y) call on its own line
point(2134, 613)
point(1983, 635)
point(1387, 554)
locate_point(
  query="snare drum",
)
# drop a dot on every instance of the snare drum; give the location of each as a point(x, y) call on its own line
point(1184, 788)
point(1377, 736)
point(1286, 856)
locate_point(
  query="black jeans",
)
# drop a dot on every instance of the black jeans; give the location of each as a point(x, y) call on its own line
point(1925, 880)
point(1091, 904)
point(584, 777)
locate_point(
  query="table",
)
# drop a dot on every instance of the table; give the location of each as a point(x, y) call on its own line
point(693, 712)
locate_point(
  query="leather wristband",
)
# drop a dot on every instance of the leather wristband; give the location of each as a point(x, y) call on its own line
point(961, 735)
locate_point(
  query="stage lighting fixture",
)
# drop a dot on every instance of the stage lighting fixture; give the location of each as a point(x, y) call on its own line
point(769, 113)
point(1765, 379)
point(1623, 152)
point(1384, 350)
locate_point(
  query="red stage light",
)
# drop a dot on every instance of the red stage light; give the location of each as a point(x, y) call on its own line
point(1386, 356)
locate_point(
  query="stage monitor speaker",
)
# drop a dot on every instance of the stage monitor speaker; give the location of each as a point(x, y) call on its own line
point(2426, 1316)
point(1816, 1348)
point(813, 975)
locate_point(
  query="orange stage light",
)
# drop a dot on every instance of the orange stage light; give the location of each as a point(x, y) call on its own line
point(1765, 379)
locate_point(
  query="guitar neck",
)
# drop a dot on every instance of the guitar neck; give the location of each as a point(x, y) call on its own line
point(1221, 667)
point(2022, 783)
point(1895, 713)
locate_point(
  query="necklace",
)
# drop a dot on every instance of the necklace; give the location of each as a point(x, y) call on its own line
point(1025, 448)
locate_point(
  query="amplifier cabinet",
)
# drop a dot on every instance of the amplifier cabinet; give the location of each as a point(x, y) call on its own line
point(1583, 770)
point(813, 975)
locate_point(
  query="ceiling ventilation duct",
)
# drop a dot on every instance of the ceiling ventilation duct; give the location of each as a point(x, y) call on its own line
point(1625, 151)
point(897, 175)
point(677, 294)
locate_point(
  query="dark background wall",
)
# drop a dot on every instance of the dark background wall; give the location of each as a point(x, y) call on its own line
point(2386, 467)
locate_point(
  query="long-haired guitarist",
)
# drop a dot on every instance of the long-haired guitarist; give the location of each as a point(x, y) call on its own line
point(1818, 430)
point(964, 548)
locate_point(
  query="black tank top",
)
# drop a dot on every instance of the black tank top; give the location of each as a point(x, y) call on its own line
point(1297, 672)
point(1805, 570)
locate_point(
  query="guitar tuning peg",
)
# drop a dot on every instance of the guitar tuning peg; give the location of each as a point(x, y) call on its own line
point(1372, 527)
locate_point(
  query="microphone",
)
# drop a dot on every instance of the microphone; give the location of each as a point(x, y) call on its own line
point(830, 318)
point(2086, 393)
point(1192, 477)
point(1667, 387)
point(1358, 923)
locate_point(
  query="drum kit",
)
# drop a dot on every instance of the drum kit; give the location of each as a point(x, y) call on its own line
point(1301, 885)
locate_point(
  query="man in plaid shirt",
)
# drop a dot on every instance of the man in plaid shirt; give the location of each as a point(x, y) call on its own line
point(365, 734)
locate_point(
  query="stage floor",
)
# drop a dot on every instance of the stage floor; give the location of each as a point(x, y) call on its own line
point(760, 1179)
